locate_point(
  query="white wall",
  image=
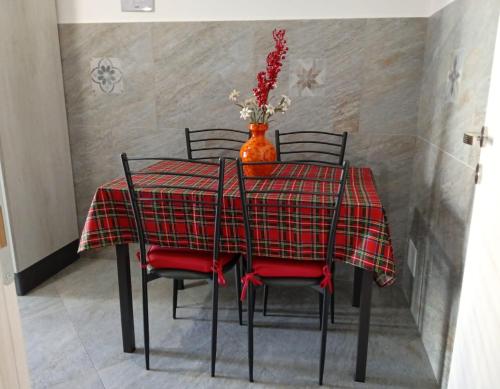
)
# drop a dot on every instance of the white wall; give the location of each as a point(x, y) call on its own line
point(436, 5)
point(102, 11)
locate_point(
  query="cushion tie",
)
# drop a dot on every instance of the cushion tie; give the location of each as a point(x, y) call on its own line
point(246, 279)
point(220, 272)
point(138, 256)
point(327, 281)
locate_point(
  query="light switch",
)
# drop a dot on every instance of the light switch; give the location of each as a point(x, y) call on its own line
point(138, 5)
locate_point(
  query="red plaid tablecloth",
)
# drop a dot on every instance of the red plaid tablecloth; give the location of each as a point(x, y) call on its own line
point(362, 239)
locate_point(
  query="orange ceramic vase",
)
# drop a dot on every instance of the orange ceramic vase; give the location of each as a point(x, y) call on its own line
point(258, 149)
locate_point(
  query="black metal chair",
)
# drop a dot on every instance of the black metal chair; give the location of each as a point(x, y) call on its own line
point(212, 143)
point(259, 196)
point(329, 149)
point(157, 201)
point(329, 145)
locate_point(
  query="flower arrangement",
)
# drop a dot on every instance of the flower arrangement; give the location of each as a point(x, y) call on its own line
point(258, 108)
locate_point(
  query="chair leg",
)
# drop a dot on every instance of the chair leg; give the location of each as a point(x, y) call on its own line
point(324, 331)
point(320, 303)
point(266, 296)
point(332, 301)
point(145, 312)
point(174, 299)
point(254, 299)
point(215, 304)
point(238, 291)
point(250, 297)
point(332, 308)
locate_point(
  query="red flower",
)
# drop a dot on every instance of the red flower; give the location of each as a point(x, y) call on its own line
point(266, 81)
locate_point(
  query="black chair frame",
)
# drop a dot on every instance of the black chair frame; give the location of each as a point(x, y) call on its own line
point(176, 275)
point(339, 141)
point(231, 138)
point(249, 207)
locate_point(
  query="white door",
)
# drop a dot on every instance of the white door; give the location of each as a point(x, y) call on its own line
point(476, 353)
point(13, 368)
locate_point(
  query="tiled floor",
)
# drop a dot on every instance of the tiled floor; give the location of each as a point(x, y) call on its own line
point(73, 340)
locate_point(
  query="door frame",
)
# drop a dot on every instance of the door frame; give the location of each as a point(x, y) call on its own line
point(13, 367)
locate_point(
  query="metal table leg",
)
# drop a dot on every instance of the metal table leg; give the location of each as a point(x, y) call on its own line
point(125, 290)
point(356, 288)
point(364, 324)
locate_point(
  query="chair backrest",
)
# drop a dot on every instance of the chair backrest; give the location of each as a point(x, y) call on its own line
point(311, 146)
point(170, 187)
point(213, 143)
point(293, 198)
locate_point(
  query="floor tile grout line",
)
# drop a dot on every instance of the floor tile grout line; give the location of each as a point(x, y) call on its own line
point(78, 335)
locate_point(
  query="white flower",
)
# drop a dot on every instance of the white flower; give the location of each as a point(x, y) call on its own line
point(286, 100)
point(245, 113)
point(233, 96)
point(270, 109)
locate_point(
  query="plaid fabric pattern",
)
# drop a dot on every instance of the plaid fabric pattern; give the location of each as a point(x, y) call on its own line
point(300, 233)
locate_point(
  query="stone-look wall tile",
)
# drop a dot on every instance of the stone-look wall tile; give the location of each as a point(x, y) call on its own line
point(466, 30)
point(165, 141)
point(96, 155)
point(339, 45)
point(441, 297)
point(197, 66)
point(442, 194)
point(94, 163)
point(440, 27)
point(392, 74)
point(131, 44)
point(230, 56)
point(440, 210)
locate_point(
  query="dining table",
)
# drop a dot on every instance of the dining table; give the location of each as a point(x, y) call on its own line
point(362, 237)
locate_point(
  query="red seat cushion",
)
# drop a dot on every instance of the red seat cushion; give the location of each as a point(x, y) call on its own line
point(273, 267)
point(184, 259)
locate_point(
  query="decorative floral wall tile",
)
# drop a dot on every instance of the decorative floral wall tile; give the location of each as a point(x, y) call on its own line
point(106, 75)
point(455, 76)
point(307, 77)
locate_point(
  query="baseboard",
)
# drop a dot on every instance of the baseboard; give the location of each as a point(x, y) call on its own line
point(31, 277)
